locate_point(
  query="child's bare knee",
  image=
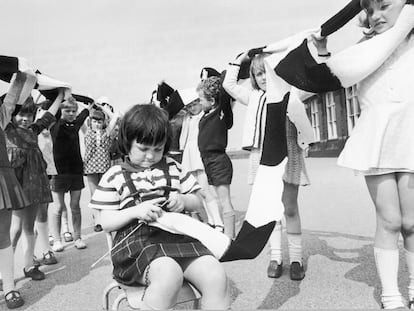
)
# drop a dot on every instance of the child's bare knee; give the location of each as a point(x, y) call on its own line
point(164, 272)
point(215, 279)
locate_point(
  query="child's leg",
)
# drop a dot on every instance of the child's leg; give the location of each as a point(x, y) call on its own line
point(210, 278)
point(406, 195)
point(16, 226)
point(76, 218)
point(6, 251)
point(294, 230)
point(28, 243)
point(93, 181)
point(55, 214)
point(41, 227)
point(212, 206)
point(384, 193)
point(64, 219)
point(164, 278)
point(229, 217)
point(274, 270)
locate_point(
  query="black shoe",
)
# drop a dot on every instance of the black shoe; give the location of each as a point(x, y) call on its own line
point(13, 299)
point(34, 273)
point(297, 272)
point(97, 228)
point(274, 270)
point(49, 258)
point(411, 304)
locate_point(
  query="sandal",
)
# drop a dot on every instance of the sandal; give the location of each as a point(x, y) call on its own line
point(13, 299)
point(67, 236)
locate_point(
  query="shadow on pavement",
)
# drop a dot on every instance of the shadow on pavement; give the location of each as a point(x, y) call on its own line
point(337, 247)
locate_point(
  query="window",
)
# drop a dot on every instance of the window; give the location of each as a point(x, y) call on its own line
point(331, 116)
point(315, 119)
point(352, 107)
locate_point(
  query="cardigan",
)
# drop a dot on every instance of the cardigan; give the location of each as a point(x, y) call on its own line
point(256, 115)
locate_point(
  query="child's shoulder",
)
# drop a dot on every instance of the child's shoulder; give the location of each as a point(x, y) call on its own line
point(171, 162)
point(113, 174)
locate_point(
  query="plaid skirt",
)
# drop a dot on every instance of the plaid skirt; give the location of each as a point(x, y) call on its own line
point(11, 193)
point(146, 244)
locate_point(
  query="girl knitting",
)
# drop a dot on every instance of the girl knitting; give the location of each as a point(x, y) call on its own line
point(98, 142)
point(30, 168)
point(160, 260)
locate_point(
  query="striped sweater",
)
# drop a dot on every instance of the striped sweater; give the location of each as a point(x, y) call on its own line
point(113, 192)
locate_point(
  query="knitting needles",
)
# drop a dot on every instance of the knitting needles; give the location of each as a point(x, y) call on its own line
point(128, 235)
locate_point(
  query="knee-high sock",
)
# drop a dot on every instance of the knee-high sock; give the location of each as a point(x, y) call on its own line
point(410, 264)
point(7, 268)
point(386, 261)
point(42, 236)
point(276, 243)
point(213, 213)
point(295, 247)
point(28, 244)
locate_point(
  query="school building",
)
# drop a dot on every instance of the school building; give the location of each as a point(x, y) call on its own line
point(333, 116)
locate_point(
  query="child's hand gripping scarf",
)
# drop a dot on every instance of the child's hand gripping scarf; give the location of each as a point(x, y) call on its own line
point(17, 70)
point(347, 67)
point(22, 79)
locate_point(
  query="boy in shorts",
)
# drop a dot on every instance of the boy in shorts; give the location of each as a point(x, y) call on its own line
point(212, 143)
point(69, 166)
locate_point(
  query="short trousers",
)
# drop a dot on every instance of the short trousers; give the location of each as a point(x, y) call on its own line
point(66, 182)
point(218, 167)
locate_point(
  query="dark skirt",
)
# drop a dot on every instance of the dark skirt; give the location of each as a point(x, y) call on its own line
point(11, 193)
point(146, 244)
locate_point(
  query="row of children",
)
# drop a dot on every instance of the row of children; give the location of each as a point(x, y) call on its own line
point(277, 129)
point(142, 198)
point(43, 149)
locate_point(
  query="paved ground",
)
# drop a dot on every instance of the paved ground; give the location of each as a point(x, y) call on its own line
point(338, 224)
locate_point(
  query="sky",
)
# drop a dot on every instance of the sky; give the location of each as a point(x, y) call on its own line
point(122, 49)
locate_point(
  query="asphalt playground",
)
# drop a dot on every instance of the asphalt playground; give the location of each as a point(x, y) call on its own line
point(338, 223)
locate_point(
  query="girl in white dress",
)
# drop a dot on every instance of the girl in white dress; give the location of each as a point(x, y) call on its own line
point(192, 160)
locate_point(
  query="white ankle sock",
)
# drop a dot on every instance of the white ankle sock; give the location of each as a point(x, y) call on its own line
point(7, 268)
point(386, 261)
point(410, 264)
point(295, 247)
point(276, 243)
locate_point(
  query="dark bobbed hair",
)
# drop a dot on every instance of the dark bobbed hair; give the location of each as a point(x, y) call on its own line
point(28, 108)
point(146, 124)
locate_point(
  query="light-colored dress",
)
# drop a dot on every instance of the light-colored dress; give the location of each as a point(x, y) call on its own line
point(189, 143)
point(382, 140)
